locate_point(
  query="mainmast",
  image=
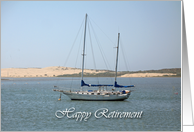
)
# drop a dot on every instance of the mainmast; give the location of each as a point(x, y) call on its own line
point(117, 57)
point(84, 46)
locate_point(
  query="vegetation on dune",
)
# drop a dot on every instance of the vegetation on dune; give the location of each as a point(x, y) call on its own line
point(109, 73)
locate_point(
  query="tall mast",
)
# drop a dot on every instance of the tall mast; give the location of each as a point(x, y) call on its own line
point(84, 45)
point(117, 57)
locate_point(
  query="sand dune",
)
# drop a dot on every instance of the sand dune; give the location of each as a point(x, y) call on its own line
point(55, 71)
point(147, 74)
point(42, 72)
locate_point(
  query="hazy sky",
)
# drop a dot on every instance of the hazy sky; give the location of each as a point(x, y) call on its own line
point(41, 33)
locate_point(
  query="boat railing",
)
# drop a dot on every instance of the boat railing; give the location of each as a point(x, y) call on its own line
point(102, 91)
point(65, 89)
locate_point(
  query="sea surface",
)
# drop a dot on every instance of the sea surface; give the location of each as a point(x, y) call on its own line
point(30, 104)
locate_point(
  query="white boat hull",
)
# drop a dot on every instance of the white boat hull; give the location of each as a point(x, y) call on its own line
point(78, 96)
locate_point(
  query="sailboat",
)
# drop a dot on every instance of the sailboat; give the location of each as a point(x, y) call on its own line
point(102, 94)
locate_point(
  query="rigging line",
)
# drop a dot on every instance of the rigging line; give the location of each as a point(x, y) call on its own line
point(102, 31)
point(99, 43)
point(72, 79)
point(123, 53)
point(92, 49)
point(78, 52)
point(73, 43)
point(102, 53)
point(101, 50)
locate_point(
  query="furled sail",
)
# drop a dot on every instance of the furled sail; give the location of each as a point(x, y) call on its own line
point(94, 85)
point(121, 86)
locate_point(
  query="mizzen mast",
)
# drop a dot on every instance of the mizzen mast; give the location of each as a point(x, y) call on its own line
point(117, 57)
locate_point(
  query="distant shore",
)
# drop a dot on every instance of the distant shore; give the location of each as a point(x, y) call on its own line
point(75, 72)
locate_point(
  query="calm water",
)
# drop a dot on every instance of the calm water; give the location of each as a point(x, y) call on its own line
point(29, 104)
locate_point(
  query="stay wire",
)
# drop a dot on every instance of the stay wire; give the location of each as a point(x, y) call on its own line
point(75, 64)
point(103, 32)
point(102, 52)
point(92, 49)
point(74, 43)
point(72, 47)
point(78, 52)
point(123, 53)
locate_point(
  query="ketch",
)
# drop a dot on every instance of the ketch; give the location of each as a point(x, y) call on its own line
point(101, 94)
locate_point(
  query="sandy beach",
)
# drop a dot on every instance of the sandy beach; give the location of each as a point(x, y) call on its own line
point(55, 71)
point(147, 74)
point(42, 72)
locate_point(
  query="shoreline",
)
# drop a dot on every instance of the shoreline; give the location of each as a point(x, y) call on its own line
point(7, 78)
point(75, 72)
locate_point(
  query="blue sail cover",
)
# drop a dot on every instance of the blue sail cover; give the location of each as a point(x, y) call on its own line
point(93, 85)
point(97, 85)
point(121, 86)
